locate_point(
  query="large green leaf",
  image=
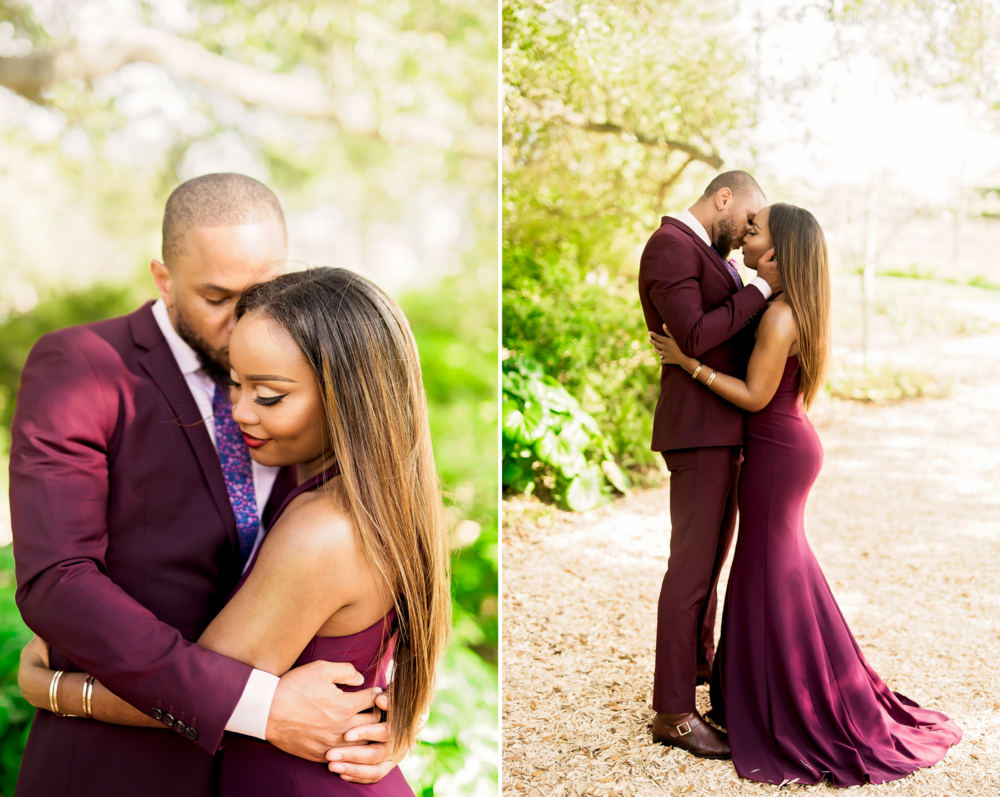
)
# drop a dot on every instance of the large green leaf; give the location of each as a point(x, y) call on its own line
point(556, 397)
point(562, 454)
point(616, 475)
point(513, 420)
point(536, 421)
point(584, 492)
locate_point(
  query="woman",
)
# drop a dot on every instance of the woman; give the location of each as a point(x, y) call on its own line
point(790, 684)
point(354, 568)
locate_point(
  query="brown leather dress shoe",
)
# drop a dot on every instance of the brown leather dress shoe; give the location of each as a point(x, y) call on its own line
point(691, 733)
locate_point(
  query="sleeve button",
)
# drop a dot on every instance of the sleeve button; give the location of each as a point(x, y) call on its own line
point(179, 726)
point(191, 733)
point(168, 720)
point(156, 714)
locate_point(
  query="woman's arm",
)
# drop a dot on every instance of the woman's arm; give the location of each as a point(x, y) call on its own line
point(34, 678)
point(307, 569)
point(776, 335)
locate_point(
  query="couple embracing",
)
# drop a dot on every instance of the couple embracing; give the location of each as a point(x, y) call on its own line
point(788, 682)
point(227, 527)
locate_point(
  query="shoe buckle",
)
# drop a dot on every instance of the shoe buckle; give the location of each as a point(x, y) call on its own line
point(685, 732)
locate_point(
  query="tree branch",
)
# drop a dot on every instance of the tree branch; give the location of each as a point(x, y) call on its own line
point(554, 111)
point(297, 95)
point(661, 193)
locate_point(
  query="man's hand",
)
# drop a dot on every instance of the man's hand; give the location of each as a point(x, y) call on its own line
point(767, 269)
point(372, 760)
point(310, 715)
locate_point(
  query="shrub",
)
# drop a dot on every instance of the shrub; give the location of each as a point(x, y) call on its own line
point(545, 433)
point(592, 339)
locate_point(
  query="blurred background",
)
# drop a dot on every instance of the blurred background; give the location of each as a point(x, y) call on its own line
point(882, 117)
point(375, 121)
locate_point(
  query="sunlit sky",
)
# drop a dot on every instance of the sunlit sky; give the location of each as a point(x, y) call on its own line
point(855, 118)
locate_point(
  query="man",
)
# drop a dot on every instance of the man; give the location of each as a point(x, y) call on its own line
point(130, 534)
point(686, 282)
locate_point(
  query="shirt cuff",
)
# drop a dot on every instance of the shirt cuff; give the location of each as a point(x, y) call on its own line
point(761, 284)
point(250, 716)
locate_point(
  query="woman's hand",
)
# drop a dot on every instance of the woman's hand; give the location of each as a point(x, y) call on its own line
point(669, 352)
point(370, 759)
point(34, 674)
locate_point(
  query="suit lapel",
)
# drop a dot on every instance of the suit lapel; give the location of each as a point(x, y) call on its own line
point(158, 361)
point(712, 255)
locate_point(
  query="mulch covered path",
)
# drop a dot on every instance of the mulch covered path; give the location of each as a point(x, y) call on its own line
point(905, 520)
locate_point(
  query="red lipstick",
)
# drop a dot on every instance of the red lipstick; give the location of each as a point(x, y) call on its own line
point(254, 442)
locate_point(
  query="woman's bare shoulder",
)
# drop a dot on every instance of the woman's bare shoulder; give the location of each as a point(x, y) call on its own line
point(315, 524)
point(778, 320)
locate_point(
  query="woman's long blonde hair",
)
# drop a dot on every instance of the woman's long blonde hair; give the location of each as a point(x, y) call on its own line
point(800, 249)
point(360, 345)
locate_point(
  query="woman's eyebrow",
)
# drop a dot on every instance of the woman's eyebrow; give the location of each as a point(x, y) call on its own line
point(269, 378)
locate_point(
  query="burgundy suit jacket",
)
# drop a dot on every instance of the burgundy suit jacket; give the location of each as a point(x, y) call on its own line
point(126, 548)
point(683, 283)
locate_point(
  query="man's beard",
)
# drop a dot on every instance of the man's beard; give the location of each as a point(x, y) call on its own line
point(725, 231)
point(209, 359)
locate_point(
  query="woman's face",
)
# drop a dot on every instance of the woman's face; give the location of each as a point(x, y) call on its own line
point(276, 397)
point(757, 240)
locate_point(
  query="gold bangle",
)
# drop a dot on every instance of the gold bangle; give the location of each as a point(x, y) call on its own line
point(88, 696)
point(54, 691)
point(694, 375)
point(709, 382)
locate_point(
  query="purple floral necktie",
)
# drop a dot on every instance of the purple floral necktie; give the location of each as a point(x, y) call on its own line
point(235, 458)
point(729, 267)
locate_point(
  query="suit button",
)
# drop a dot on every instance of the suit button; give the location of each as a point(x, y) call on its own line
point(156, 714)
point(179, 726)
point(191, 733)
point(168, 720)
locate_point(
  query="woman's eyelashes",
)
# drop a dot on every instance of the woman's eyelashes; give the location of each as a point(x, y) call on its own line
point(268, 401)
point(263, 401)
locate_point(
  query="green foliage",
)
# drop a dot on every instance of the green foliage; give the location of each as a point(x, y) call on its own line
point(458, 748)
point(412, 153)
point(15, 713)
point(543, 425)
point(606, 105)
point(457, 339)
point(592, 339)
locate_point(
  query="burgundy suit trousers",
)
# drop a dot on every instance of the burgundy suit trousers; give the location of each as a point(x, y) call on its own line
point(703, 504)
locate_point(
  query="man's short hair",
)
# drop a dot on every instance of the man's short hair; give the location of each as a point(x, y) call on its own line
point(739, 182)
point(216, 200)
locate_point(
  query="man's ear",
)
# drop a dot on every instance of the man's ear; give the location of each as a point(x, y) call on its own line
point(164, 281)
point(723, 198)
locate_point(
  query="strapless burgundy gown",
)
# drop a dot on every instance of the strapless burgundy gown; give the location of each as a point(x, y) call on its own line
point(255, 768)
point(798, 698)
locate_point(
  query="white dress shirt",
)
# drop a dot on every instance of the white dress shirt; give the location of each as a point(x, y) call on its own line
point(686, 217)
point(250, 715)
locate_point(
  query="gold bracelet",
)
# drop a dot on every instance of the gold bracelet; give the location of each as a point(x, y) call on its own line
point(88, 696)
point(694, 375)
point(709, 382)
point(54, 691)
